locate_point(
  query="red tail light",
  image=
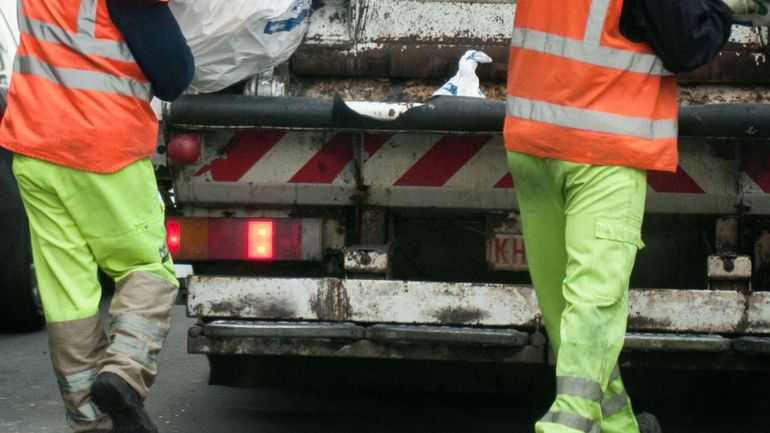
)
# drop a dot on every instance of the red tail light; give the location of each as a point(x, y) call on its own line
point(173, 237)
point(198, 239)
point(260, 243)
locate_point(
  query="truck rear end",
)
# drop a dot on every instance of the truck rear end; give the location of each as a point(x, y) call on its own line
point(331, 209)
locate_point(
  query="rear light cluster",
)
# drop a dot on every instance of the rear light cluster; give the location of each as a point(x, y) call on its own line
point(244, 239)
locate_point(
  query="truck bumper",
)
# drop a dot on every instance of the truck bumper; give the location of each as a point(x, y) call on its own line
point(380, 319)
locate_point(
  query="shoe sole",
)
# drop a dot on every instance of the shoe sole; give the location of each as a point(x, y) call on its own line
point(125, 409)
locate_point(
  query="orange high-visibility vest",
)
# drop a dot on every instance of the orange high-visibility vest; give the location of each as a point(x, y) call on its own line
point(77, 97)
point(579, 91)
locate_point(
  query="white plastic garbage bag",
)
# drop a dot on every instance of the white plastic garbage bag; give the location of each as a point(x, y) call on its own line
point(232, 40)
point(465, 82)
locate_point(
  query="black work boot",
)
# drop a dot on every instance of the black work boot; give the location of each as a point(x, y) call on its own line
point(648, 423)
point(117, 399)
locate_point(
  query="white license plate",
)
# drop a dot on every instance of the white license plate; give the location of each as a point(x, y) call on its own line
point(505, 252)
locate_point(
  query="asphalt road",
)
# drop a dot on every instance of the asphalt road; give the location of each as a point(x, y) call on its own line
point(183, 402)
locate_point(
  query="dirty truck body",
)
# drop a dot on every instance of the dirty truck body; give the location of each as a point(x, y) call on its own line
point(323, 223)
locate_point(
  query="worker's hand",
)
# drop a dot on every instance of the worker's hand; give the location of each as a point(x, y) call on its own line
point(742, 6)
point(757, 12)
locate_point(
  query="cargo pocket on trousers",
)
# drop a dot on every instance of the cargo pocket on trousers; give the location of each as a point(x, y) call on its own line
point(618, 241)
point(625, 231)
point(138, 246)
point(621, 231)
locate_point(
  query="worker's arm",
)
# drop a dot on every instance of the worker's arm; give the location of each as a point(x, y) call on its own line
point(157, 44)
point(685, 34)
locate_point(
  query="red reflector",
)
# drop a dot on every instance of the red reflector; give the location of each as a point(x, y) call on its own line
point(173, 237)
point(260, 240)
point(184, 149)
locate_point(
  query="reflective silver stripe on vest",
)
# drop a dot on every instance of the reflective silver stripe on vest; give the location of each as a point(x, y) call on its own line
point(590, 120)
point(86, 413)
point(76, 382)
point(84, 80)
point(139, 324)
point(572, 421)
point(81, 43)
point(597, 55)
point(87, 18)
point(596, 18)
point(134, 349)
point(579, 387)
point(614, 404)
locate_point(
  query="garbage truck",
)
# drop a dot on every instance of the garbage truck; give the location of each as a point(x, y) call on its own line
point(333, 209)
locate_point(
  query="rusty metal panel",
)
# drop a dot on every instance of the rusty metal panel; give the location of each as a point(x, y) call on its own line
point(363, 349)
point(661, 351)
point(744, 60)
point(362, 301)
point(371, 259)
point(721, 267)
point(753, 345)
point(411, 302)
point(448, 335)
point(425, 38)
point(700, 311)
point(397, 38)
point(257, 329)
point(676, 343)
point(757, 315)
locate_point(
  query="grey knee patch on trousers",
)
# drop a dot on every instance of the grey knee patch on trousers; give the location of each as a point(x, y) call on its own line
point(141, 317)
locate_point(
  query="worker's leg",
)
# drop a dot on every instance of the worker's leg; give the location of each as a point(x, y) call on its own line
point(541, 193)
point(122, 220)
point(70, 291)
point(542, 214)
point(604, 208)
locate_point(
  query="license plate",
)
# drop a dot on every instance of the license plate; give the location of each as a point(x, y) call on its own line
point(505, 252)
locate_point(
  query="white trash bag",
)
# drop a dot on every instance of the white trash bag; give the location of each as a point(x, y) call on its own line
point(232, 40)
point(465, 82)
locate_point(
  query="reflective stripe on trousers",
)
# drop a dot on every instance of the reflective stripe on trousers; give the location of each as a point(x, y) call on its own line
point(76, 347)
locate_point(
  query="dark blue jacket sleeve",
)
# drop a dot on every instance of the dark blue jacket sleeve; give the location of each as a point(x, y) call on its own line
point(685, 34)
point(157, 43)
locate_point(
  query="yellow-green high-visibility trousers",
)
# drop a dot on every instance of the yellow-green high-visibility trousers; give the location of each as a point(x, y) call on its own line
point(80, 222)
point(582, 230)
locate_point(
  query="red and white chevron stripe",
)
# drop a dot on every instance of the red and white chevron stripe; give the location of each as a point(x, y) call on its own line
point(449, 161)
point(446, 161)
point(269, 157)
